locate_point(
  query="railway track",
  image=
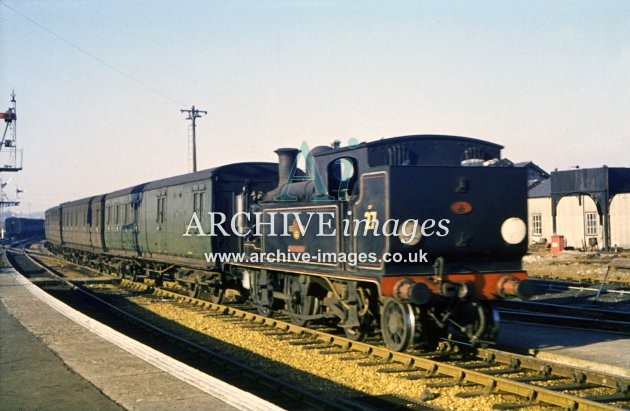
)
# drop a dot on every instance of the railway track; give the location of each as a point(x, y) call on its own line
point(489, 371)
point(565, 315)
point(547, 285)
point(101, 308)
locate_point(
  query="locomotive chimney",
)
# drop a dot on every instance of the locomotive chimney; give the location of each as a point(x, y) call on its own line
point(286, 159)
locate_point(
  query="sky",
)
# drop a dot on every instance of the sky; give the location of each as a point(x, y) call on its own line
point(99, 84)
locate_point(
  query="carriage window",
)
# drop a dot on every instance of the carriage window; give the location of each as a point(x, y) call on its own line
point(161, 206)
point(198, 203)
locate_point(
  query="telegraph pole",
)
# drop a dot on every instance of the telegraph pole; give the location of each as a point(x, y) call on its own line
point(193, 113)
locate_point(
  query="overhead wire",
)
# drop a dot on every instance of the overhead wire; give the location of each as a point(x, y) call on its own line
point(93, 56)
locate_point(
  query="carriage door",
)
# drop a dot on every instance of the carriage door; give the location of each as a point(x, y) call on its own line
point(225, 202)
point(126, 227)
point(135, 199)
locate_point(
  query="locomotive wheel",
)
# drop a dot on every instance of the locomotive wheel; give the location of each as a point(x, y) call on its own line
point(487, 323)
point(398, 325)
point(366, 319)
point(479, 321)
point(298, 302)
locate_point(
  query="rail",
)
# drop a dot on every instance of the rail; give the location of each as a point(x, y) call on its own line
point(490, 373)
point(288, 393)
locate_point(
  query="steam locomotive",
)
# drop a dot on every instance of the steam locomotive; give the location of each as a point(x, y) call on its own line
point(412, 237)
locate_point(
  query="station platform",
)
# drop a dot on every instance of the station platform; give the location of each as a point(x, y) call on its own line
point(597, 351)
point(48, 361)
point(31, 374)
